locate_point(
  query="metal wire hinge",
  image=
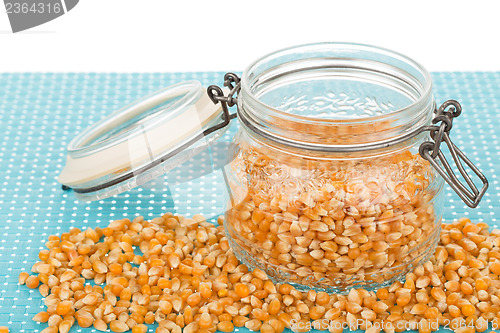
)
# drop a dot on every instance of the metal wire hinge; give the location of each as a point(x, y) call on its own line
point(231, 81)
point(439, 132)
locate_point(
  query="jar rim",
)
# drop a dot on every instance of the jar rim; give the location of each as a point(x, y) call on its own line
point(307, 72)
point(247, 92)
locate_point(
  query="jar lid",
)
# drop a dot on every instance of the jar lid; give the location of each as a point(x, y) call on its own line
point(141, 141)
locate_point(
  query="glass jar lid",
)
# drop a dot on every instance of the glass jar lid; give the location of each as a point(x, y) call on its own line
point(141, 141)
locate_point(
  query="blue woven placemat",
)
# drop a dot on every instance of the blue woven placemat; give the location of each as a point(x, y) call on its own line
point(41, 113)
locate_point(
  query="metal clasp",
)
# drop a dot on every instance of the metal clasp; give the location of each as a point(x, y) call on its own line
point(439, 132)
point(233, 82)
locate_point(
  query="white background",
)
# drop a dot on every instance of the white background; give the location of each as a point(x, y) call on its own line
point(188, 35)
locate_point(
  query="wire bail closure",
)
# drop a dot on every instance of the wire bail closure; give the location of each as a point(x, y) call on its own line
point(231, 81)
point(439, 132)
point(429, 150)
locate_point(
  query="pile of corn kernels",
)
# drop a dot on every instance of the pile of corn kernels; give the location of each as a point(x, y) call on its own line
point(188, 280)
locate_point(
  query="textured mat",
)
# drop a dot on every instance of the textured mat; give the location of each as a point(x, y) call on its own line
point(40, 114)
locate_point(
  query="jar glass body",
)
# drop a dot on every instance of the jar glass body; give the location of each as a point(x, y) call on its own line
point(314, 201)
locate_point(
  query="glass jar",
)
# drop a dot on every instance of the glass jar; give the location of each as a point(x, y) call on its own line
point(327, 188)
point(335, 177)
